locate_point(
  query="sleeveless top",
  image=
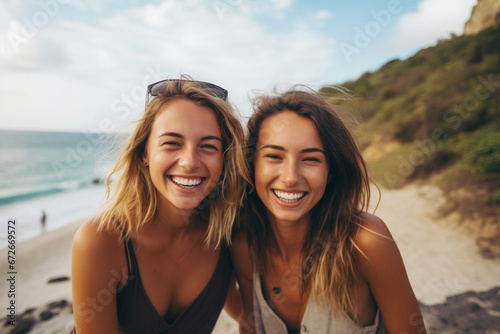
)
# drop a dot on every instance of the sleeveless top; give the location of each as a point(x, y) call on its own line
point(315, 320)
point(137, 315)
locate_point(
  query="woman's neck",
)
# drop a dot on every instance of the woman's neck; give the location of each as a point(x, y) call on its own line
point(172, 221)
point(289, 236)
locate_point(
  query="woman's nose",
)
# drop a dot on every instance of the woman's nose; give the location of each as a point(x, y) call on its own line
point(290, 174)
point(189, 159)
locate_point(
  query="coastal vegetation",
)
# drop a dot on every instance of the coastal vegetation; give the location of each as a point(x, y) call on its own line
point(435, 118)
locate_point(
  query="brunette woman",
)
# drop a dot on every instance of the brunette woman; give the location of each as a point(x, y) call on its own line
point(314, 260)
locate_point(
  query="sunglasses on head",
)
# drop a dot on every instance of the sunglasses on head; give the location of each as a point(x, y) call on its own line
point(159, 87)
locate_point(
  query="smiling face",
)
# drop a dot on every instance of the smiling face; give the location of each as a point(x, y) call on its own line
point(184, 155)
point(291, 169)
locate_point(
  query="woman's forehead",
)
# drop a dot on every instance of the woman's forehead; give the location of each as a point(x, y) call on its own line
point(186, 117)
point(289, 129)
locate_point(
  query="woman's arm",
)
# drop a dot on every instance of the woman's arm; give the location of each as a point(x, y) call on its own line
point(384, 271)
point(95, 277)
point(243, 270)
point(233, 305)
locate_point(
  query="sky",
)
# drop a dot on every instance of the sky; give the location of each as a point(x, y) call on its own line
point(84, 65)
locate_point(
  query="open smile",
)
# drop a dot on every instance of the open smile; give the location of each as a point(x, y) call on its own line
point(187, 182)
point(289, 197)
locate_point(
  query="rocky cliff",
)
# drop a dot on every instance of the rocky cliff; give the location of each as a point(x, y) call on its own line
point(485, 14)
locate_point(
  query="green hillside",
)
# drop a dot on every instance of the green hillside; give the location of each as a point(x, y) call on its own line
point(435, 116)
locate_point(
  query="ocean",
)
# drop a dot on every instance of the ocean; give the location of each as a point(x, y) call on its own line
point(59, 173)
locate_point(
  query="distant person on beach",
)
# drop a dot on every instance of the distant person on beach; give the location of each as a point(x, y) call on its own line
point(155, 259)
point(43, 220)
point(311, 260)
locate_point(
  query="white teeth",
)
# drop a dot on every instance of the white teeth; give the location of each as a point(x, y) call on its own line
point(186, 183)
point(288, 197)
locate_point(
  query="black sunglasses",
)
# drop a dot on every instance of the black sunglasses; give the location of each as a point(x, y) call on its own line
point(159, 87)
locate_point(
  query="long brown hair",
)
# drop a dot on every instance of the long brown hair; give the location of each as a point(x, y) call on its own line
point(131, 198)
point(327, 259)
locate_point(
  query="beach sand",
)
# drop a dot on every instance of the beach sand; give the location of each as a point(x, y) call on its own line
point(37, 260)
point(440, 261)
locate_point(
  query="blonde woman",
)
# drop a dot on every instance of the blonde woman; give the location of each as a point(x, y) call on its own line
point(319, 263)
point(155, 259)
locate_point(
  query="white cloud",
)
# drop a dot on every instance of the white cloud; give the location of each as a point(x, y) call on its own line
point(323, 15)
point(434, 19)
point(40, 54)
point(87, 5)
point(281, 4)
point(22, 51)
point(4, 15)
point(107, 64)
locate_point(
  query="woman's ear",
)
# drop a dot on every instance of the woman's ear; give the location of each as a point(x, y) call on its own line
point(145, 160)
point(329, 179)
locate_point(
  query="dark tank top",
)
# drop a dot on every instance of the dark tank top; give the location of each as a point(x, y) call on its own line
point(136, 314)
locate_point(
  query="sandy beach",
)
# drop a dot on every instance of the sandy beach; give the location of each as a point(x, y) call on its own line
point(440, 262)
point(37, 261)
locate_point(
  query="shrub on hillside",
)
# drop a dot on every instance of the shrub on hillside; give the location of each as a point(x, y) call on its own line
point(492, 199)
point(486, 155)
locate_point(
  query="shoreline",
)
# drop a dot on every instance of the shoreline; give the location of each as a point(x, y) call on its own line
point(61, 209)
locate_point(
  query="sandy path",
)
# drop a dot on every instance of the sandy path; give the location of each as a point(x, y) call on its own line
point(440, 262)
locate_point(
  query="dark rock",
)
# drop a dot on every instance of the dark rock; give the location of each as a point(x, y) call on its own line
point(97, 181)
point(6, 321)
point(58, 279)
point(23, 325)
point(28, 311)
point(46, 315)
point(468, 312)
point(59, 303)
point(31, 319)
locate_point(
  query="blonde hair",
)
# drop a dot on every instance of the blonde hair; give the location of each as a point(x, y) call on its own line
point(131, 198)
point(327, 256)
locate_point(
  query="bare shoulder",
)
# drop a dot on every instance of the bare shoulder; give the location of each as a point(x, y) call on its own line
point(100, 254)
point(373, 233)
point(88, 241)
point(374, 243)
point(98, 266)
